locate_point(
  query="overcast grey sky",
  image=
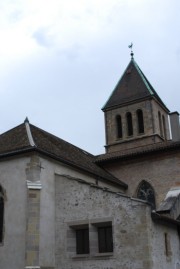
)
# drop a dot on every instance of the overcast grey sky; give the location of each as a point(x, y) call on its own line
point(61, 59)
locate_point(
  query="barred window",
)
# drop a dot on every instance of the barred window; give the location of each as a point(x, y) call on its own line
point(105, 239)
point(82, 241)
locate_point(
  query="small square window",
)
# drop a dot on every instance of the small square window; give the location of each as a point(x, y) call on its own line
point(82, 241)
point(105, 239)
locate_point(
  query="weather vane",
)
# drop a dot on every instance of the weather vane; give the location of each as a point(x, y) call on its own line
point(130, 47)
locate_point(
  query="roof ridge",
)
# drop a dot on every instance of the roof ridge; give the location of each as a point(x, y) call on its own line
point(29, 133)
point(148, 84)
point(145, 80)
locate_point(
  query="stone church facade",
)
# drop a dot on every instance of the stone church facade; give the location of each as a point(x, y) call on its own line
point(64, 208)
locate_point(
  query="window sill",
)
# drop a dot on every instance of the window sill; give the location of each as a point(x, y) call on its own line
point(81, 256)
point(104, 254)
point(93, 256)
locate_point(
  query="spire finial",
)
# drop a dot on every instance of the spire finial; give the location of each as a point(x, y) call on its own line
point(130, 47)
point(26, 120)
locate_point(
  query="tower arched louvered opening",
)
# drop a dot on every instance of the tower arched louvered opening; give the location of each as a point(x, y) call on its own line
point(140, 121)
point(119, 132)
point(129, 124)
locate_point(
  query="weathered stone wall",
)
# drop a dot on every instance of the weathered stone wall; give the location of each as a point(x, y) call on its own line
point(32, 230)
point(161, 170)
point(77, 204)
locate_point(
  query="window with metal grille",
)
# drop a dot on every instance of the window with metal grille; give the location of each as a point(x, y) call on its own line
point(82, 241)
point(146, 192)
point(105, 239)
point(1, 214)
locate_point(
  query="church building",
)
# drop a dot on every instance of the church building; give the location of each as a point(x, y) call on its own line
point(64, 208)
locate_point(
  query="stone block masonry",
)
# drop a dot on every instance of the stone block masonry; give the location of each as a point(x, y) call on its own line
point(32, 231)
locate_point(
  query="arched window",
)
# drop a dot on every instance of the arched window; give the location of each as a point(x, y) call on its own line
point(140, 121)
point(129, 124)
point(119, 126)
point(160, 123)
point(146, 192)
point(1, 214)
point(164, 127)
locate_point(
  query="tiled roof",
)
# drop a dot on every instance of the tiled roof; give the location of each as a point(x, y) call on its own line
point(167, 204)
point(139, 151)
point(132, 86)
point(14, 139)
point(19, 140)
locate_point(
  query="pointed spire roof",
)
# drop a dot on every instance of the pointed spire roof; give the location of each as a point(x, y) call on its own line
point(132, 86)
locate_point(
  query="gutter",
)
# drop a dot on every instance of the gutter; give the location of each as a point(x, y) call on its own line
point(163, 219)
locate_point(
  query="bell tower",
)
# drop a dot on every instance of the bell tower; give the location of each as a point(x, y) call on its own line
point(134, 114)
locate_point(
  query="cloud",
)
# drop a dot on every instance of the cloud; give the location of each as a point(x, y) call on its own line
point(42, 38)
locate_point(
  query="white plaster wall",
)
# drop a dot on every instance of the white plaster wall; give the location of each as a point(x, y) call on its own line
point(160, 259)
point(13, 180)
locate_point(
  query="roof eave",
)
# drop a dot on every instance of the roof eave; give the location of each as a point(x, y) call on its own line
point(173, 146)
point(149, 97)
